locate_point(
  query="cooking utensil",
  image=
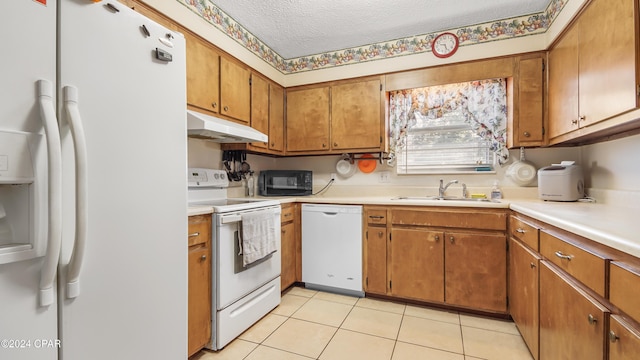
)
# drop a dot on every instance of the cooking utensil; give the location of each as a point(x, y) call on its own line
point(345, 168)
point(522, 172)
point(367, 166)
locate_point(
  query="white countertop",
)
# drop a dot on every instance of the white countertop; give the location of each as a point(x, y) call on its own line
point(615, 226)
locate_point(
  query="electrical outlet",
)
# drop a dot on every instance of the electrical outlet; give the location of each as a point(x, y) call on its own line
point(385, 177)
point(333, 176)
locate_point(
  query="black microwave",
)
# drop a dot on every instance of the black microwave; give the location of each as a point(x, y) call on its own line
point(285, 183)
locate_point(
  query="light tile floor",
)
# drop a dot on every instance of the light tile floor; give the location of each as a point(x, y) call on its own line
point(318, 325)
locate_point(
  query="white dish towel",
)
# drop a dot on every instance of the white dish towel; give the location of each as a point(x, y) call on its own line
point(259, 237)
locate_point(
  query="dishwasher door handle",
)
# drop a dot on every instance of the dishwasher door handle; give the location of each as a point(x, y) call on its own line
point(330, 213)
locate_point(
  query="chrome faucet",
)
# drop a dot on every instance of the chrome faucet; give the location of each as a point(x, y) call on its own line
point(443, 187)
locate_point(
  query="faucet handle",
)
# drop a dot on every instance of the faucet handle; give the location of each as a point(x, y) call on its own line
point(464, 191)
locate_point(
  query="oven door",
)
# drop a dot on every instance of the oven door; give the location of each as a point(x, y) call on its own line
point(233, 279)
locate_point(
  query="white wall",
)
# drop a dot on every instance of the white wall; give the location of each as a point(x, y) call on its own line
point(613, 165)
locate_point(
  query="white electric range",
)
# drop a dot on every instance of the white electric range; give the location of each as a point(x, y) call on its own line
point(241, 295)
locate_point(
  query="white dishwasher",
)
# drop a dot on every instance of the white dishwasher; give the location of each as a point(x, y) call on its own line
point(332, 248)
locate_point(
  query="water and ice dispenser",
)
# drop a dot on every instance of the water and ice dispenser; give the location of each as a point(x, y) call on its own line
point(23, 196)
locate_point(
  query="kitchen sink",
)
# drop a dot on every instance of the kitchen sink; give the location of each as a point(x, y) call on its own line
point(446, 198)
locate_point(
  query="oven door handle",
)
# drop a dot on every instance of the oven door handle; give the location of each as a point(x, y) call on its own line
point(228, 219)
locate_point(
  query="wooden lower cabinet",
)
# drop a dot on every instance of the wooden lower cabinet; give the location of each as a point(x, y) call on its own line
point(572, 323)
point(523, 293)
point(375, 260)
point(199, 302)
point(624, 340)
point(416, 264)
point(290, 246)
point(288, 272)
point(476, 270)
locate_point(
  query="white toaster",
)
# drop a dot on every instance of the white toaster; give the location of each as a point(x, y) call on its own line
point(561, 182)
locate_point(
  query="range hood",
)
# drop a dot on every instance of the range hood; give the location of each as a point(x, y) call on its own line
point(212, 128)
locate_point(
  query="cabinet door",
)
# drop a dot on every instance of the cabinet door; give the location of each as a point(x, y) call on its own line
point(523, 293)
point(235, 90)
point(376, 260)
point(528, 131)
point(260, 107)
point(416, 262)
point(563, 84)
point(288, 239)
point(308, 119)
point(607, 63)
point(203, 74)
point(572, 323)
point(624, 340)
point(199, 297)
point(276, 118)
point(356, 115)
point(476, 271)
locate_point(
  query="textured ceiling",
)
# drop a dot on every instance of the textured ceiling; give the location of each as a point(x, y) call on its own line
point(295, 28)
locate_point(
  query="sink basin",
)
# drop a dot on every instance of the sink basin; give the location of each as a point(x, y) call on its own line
point(446, 198)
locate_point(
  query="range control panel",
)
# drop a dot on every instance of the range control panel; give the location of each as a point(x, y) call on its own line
point(199, 177)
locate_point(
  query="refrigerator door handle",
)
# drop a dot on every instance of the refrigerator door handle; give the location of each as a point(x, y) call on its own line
point(70, 94)
point(54, 165)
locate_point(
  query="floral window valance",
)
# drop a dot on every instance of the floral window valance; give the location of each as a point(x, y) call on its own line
point(483, 105)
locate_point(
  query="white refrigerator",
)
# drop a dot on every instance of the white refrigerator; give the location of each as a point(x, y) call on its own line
point(93, 188)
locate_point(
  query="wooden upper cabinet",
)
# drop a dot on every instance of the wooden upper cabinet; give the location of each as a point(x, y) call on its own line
point(276, 118)
point(592, 68)
point(235, 90)
point(607, 60)
point(356, 115)
point(203, 74)
point(308, 119)
point(563, 84)
point(527, 127)
point(260, 107)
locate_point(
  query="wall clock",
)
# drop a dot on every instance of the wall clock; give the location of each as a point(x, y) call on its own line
point(445, 45)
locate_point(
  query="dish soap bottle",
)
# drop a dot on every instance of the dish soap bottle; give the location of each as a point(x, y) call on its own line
point(250, 185)
point(496, 193)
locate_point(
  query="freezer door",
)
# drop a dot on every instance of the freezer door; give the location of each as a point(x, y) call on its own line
point(130, 299)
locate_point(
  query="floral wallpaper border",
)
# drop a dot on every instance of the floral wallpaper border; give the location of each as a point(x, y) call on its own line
point(470, 35)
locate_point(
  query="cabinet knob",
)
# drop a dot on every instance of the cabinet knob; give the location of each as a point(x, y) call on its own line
point(592, 319)
point(532, 265)
point(335, 144)
point(203, 257)
point(520, 231)
point(380, 234)
point(613, 337)
point(273, 144)
point(226, 108)
point(574, 122)
point(194, 234)
point(526, 134)
point(214, 105)
point(324, 145)
point(452, 239)
point(283, 231)
point(582, 118)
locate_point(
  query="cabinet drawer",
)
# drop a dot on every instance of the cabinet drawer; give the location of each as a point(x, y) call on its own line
point(587, 267)
point(624, 340)
point(199, 229)
point(377, 216)
point(287, 214)
point(524, 232)
point(451, 218)
point(624, 288)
